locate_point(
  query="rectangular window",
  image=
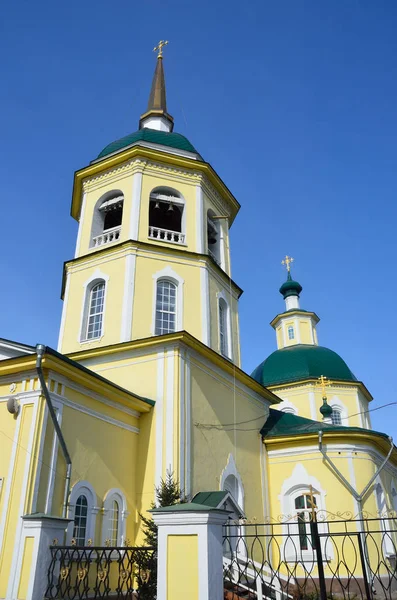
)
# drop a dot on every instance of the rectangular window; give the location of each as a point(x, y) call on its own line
point(222, 329)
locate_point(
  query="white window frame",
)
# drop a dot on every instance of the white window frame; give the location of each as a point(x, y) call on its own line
point(291, 329)
point(336, 403)
point(221, 296)
point(98, 214)
point(287, 407)
point(114, 495)
point(385, 525)
point(83, 488)
point(336, 411)
point(168, 274)
point(89, 284)
point(177, 199)
point(231, 469)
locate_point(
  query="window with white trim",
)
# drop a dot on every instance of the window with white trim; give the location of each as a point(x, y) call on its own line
point(94, 320)
point(336, 416)
point(291, 333)
point(166, 216)
point(166, 307)
point(114, 518)
point(305, 504)
point(107, 218)
point(80, 520)
point(223, 329)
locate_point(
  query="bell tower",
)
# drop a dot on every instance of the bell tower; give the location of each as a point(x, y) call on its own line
point(152, 251)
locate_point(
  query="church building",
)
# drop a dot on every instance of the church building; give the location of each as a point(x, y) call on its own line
point(147, 376)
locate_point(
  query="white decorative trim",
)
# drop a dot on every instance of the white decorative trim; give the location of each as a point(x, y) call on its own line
point(64, 310)
point(135, 205)
point(128, 298)
point(287, 406)
point(85, 488)
point(117, 495)
point(39, 460)
point(229, 342)
point(182, 425)
point(312, 401)
point(94, 413)
point(81, 221)
point(54, 458)
point(159, 415)
point(94, 278)
point(169, 412)
point(199, 220)
point(205, 307)
point(169, 274)
point(231, 470)
point(188, 435)
point(336, 402)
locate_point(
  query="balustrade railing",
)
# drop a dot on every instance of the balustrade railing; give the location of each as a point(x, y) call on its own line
point(110, 235)
point(166, 235)
point(93, 572)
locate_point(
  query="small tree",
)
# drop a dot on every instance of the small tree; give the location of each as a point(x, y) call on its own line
point(168, 493)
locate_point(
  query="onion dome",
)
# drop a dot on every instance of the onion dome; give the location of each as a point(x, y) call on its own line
point(300, 362)
point(290, 287)
point(326, 409)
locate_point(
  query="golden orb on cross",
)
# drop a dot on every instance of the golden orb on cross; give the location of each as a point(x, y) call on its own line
point(159, 48)
point(286, 262)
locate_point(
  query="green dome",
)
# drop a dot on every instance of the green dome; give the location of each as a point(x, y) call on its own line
point(299, 362)
point(290, 288)
point(326, 409)
point(164, 138)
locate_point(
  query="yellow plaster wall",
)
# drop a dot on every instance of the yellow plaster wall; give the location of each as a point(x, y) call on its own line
point(182, 567)
point(216, 403)
point(306, 337)
point(214, 289)
point(289, 342)
point(279, 334)
point(22, 459)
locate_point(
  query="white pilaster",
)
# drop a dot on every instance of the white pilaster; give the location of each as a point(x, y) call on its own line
point(135, 206)
point(205, 307)
point(291, 302)
point(159, 411)
point(128, 298)
point(199, 219)
point(312, 400)
point(64, 309)
point(81, 221)
point(169, 412)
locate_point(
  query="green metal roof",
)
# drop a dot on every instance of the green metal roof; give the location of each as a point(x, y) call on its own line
point(210, 499)
point(163, 138)
point(281, 424)
point(302, 361)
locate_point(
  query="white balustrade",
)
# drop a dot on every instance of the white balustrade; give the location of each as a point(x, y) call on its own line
point(165, 235)
point(110, 235)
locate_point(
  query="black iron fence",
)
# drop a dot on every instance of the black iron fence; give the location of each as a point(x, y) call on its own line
point(306, 557)
point(79, 573)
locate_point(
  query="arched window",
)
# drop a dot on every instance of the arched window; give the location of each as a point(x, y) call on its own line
point(213, 237)
point(96, 304)
point(107, 218)
point(336, 416)
point(166, 307)
point(291, 333)
point(305, 504)
point(224, 328)
point(166, 216)
point(289, 410)
point(114, 518)
point(80, 520)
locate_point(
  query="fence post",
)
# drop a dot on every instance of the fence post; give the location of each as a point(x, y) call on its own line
point(190, 554)
point(29, 582)
point(320, 565)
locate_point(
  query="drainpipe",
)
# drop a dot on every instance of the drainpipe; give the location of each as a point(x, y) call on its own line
point(40, 350)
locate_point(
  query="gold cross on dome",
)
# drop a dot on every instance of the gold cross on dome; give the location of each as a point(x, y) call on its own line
point(159, 48)
point(287, 262)
point(323, 383)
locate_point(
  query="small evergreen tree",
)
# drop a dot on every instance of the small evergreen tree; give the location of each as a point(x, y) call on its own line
point(168, 493)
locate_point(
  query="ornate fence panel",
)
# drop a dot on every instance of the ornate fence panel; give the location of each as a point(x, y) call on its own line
point(79, 573)
point(310, 558)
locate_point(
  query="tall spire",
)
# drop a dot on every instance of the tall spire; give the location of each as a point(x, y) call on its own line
point(156, 116)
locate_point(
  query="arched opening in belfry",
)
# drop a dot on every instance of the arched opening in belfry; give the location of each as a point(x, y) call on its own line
point(166, 212)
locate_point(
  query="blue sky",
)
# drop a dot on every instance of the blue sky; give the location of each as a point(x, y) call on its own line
point(294, 104)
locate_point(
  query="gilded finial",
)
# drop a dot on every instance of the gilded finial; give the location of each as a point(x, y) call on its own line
point(286, 262)
point(159, 48)
point(323, 383)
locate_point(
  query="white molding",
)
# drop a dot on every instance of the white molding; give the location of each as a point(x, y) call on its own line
point(94, 278)
point(65, 381)
point(14, 578)
point(182, 417)
point(168, 274)
point(94, 413)
point(222, 296)
point(231, 470)
point(79, 488)
point(64, 310)
point(312, 401)
point(188, 435)
point(40, 459)
point(199, 219)
point(54, 458)
point(169, 412)
point(286, 404)
point(128, 298)
point(159, 412)
point(81, 221)
point(114, 494)
point(135, 205)
point(336, 402)
point(205, 307)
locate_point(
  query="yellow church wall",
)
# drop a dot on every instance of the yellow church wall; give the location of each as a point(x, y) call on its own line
point(305, 334)
point(215, 288)
point(23, 588)
point(45, 467)
point(279, 334)
point(289, 342)
point(13, 508)
point(211, 446)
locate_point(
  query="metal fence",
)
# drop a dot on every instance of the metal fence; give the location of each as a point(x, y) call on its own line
point(308, 557)
point(79, 573)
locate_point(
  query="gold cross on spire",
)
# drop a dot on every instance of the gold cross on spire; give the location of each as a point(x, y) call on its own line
point(159, 48)
point(287, 262)
point(323, 382)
